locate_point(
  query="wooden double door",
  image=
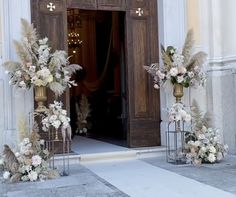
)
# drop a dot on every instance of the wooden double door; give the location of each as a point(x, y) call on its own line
point(141, 48)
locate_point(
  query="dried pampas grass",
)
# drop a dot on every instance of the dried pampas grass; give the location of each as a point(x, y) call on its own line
point(11, 65)
point(57, 88)
point(28, 31)
point(188, 46)
point(10, 160)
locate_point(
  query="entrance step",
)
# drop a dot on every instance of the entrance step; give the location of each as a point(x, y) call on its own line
point(87, 150)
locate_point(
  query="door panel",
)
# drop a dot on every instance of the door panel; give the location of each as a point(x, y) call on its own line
point(111, 4)
point(52, 24)
point(142, 47)
point(82, 4)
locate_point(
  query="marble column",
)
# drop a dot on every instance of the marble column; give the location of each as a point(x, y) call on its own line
point(14, 104)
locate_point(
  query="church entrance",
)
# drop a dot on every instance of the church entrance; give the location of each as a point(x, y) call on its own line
point(116, 39)
point(98, 105)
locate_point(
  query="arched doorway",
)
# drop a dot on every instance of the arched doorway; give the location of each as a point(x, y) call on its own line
point(141, 48)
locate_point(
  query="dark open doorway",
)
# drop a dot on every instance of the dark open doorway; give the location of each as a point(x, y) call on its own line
point(96, 41)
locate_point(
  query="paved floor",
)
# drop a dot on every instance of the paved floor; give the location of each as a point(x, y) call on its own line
point(80, 183)
point(131, 175)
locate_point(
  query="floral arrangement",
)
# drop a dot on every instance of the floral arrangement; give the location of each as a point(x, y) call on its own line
point(83, 112)
point(204, 144)
point(55, 116)
point(178, 113)
point(39, 66)
point(179, 67)
point(30, 163)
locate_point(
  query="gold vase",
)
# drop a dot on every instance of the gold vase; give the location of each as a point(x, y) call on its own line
point(178, 92)
point(40, 98)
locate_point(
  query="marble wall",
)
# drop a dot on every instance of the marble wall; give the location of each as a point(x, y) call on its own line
point(13, 103)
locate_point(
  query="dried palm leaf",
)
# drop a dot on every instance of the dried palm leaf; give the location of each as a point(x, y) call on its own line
point(197, 60)
point(28, 31)
point(22, 52)
point(11, 66)
point(166, 59)
point(187, 48)
point(72, 68)
point(15, 178)
point(196, 116)
point(10, 160)
point(57, 88)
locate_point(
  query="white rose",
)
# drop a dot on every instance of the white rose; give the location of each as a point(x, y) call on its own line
point(36, 160)
point(180, 79)
point(173, 72)
point(33, 176)
point(188, 118)
point(211, 158)
point(212, 149)
point(156, 86)
point(182, 70)
point(17, 154)
point(52, 118)
point(171, 118)
point(56, 123)
point(6, 175)
point(183, 113)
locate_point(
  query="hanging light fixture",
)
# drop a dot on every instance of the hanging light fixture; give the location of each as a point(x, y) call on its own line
point(74, 22)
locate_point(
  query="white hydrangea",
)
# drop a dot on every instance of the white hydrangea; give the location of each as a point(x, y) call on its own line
point(33, 176)
point(6, 175)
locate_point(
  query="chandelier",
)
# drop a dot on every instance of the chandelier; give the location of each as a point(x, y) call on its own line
point(74, 41)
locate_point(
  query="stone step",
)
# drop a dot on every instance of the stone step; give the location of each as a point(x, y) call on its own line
point(135, 153)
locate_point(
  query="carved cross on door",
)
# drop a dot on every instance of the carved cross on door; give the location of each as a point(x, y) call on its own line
point(51, 7)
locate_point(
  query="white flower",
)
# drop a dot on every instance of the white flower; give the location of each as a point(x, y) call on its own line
point(188, 118)
point(178, 59)
point(56, 123)
point(22, 84)
point(43, 41)
point(160, 74)
point(219, 156)
point(36, 160)
point(42, 142)
point(58, 75)
point(6, 175)
point(211, 158)
point(182, 70)
point(180, 79)
point(173, 72)
point(17, 154)
point(25, 178)
point(156, 86)
point(18, 73)
point(32, 69)
point(191, 74)
point(52, 118)
point(85, 130)
point(33, 176)
point(183, 113)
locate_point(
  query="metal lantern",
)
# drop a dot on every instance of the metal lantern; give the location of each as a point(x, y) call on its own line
point(175, 142)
